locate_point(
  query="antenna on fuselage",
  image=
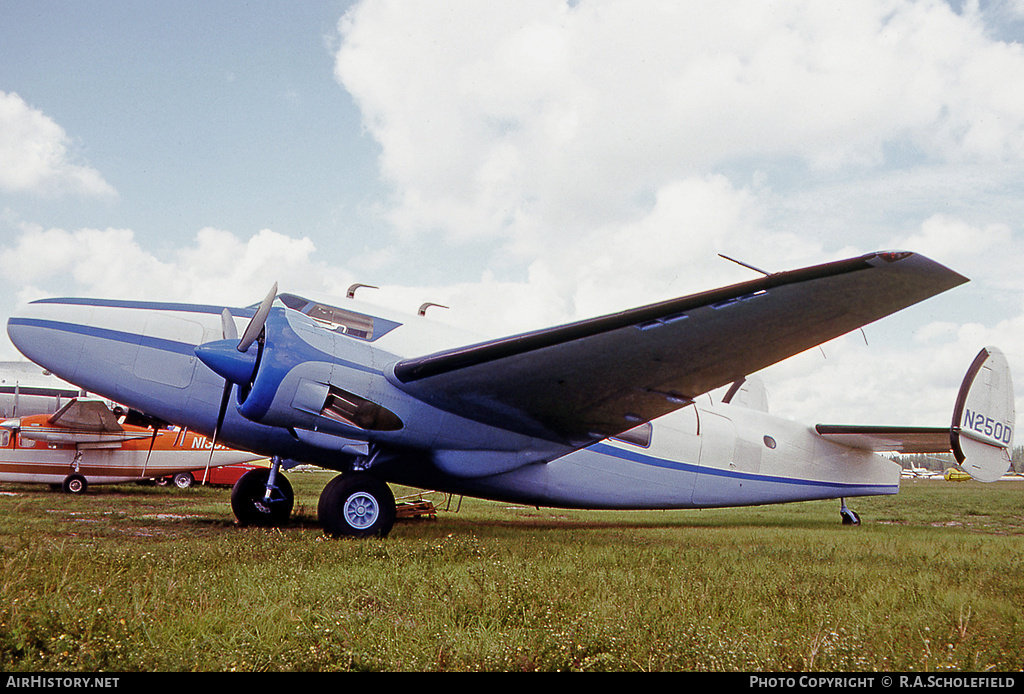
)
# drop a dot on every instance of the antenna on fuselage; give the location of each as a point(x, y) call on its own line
point(423, 307)
point(746, 265)
point(351, 293)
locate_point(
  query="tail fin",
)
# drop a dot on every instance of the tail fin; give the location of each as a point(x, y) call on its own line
point(984, 418)
point(748, 392)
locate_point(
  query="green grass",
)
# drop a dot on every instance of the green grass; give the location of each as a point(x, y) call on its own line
point(134, 578)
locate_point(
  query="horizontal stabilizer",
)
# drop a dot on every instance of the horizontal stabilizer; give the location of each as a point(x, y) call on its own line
point(905, 440)
point(981, 436)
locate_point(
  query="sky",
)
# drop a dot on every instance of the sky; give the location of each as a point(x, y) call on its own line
point(527, 163)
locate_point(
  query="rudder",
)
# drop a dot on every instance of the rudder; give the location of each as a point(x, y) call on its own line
point(984, 419)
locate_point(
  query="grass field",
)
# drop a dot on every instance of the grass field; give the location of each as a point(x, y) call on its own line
point(135, 578)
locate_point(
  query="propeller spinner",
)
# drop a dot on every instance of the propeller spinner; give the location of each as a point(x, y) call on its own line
point(232, 358)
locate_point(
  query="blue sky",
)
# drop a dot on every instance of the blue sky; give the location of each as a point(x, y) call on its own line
point(526, 163)
point(197, 113)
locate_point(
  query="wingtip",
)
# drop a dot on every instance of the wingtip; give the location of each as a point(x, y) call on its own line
point(925, 263)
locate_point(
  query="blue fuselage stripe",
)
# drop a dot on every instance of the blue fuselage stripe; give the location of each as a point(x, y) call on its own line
point(165, 345)
point(107, 334)
point(636, 457)
point(147, 305)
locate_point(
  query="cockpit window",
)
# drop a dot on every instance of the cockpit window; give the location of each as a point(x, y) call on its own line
point(340, 320)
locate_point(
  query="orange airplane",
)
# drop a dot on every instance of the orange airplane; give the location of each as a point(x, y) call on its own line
point(85, 443)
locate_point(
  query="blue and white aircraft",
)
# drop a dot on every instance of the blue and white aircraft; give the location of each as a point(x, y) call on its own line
point(606, 413)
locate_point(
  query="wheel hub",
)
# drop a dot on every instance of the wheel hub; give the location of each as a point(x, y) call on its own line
point(361, 510)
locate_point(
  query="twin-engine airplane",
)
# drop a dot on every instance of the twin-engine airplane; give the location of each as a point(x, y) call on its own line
point(85, 443)
point(601, 413)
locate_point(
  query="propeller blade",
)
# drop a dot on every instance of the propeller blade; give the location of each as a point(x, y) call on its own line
point(252, 331)
point(220, 422)
point(227, 326)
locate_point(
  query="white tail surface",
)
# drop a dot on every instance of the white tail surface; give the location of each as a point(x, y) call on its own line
point(749, 392)
point(984, 418)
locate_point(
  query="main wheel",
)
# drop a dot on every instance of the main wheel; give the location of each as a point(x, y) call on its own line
point(184, 480)
point(356, 505)
point(75, 484)
point(250, 506)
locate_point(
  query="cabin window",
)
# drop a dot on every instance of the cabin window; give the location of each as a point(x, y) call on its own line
point(638, 436)
point(769, 441)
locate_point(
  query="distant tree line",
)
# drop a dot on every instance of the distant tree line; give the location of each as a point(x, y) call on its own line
point(941, 461)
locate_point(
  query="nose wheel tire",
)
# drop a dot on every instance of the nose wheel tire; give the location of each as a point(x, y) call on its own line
point(356, 505)
point(249, 502)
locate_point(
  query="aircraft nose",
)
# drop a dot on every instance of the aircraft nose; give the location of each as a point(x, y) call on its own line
point(47, 333)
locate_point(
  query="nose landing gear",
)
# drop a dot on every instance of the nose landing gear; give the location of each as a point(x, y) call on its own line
point(263, 497)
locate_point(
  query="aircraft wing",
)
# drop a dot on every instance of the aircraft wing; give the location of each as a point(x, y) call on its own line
point(82, 422)
point(904, 440)
point(589, 380)
point(86, 415)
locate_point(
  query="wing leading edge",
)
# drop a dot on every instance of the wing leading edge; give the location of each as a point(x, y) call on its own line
point(589, 380)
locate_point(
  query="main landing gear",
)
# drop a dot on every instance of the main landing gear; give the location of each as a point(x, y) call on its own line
point(74, 484)
point(355, 504)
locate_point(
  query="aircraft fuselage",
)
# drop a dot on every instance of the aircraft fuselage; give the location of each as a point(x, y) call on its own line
point(326, 394)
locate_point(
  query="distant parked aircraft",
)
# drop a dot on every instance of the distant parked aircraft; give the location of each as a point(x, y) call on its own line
point(26, 388)
point(85, 443)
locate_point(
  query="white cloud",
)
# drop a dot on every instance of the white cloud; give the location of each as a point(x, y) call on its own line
point(598, 155)
point(986, 251)
point(217, 267)
point(36, 157)
point(544, 115)
point(613, 148)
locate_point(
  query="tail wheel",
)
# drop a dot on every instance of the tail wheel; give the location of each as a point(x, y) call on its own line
point(249, 502)
point(184, 480)
point(356, 506)
point(848, 516)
